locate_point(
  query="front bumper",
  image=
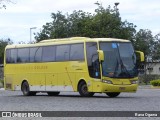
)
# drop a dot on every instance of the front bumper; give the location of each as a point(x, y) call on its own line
point(119, 88)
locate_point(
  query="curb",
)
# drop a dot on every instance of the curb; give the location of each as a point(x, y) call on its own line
point(144, 87)
point(148, 87)
point(155, 87)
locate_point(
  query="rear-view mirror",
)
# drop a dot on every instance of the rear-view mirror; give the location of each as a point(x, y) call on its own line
point(140, 56)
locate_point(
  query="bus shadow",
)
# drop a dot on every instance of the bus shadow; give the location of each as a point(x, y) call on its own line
point(75, 96)
point(96, 96)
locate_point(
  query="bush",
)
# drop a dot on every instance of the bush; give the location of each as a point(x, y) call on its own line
point(155, 82)
point(147, 78)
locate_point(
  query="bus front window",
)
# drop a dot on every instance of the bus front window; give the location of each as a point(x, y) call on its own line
point(119, 60)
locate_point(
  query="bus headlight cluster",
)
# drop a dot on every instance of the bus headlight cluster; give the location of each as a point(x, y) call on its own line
point(134, 81)
point(107, 81)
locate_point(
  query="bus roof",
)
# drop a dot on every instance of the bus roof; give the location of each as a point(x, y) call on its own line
point(84, 39)
point(67, 40)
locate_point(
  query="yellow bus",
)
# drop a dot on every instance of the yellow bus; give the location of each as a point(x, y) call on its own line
point(79, 64)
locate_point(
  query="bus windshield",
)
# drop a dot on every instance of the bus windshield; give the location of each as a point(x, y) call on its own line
point(119, 60)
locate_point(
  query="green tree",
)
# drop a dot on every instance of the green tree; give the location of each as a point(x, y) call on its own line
point(156, 48)
point(3, 44)
point(64, 26)
point(79, 24)
point(108, 23)
point(144, 41)
point(104, 23)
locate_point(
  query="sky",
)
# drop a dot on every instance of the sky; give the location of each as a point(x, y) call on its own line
point(21, 15)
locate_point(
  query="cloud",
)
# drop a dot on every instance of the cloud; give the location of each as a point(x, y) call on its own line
point(45, 6)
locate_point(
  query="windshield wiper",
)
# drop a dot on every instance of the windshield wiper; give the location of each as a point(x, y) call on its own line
point(116, 68)
point(123, 67)
point(124, 70)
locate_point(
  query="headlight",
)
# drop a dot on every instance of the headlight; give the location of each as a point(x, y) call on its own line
point(134, 81)
point(107, 81)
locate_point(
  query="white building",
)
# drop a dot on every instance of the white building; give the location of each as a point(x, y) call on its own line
point(153, 68)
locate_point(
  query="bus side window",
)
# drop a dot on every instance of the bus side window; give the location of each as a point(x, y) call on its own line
point(8, 56)
point(62, 52)
point(23, 55)
point(49, 53)
point(38, 55)
point(32, 53)
point(13, 56)
point(77, 52)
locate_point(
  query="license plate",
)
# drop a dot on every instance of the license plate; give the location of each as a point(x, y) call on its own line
point(122, 88)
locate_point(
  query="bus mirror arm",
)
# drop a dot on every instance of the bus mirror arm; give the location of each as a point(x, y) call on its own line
point(139, 56)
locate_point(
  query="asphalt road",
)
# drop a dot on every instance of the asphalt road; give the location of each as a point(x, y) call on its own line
point(142, 100)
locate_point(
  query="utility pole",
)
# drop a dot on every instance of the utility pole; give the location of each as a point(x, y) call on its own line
point(116, 4)
point(31, 33)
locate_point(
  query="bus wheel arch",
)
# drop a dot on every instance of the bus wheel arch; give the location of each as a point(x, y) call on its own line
point(83, 89)
point(26, 90)
point(81, 80)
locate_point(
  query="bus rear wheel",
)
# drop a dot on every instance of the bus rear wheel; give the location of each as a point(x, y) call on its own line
point(26, 91)
point(83, 90)
point(53, 93)
point(113, 94)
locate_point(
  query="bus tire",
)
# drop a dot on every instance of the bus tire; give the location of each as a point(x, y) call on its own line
point(53, 93)
point(25, 89)
point(83, 90)
point(113, 94)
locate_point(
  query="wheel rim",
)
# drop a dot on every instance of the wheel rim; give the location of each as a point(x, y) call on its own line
point(84, 89)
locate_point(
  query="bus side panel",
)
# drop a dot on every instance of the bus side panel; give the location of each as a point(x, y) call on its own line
point(64, 82)
point(71, 81)
point(9, 82)
point(9, 73)
point(37, 82)
point(19, 79)
point(51, 82)
point(77, 71)
point(65, 77)
point(97, 86)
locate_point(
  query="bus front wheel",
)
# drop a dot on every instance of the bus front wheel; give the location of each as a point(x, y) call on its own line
point(26, 90)
point(83, 90)
point(113, 94)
